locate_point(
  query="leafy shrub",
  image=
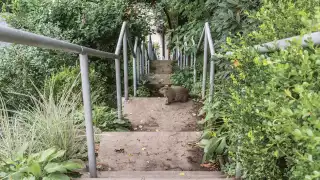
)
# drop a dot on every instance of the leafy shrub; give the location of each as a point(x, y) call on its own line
point(52, 121)
point(95, 24)
point(143, 91)
point(43, 165)
point(183, 78)
point(269, 102)
point(106, 119)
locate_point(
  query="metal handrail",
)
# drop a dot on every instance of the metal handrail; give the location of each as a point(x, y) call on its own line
point(263, 48)
point(140, 58)
point(284, 43)
point(16, 36)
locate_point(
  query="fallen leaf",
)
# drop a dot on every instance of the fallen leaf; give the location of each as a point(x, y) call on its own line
point(182, 174)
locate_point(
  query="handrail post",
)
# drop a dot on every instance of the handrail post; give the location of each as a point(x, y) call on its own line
point(148, 62)
point(135, 68)
point(138, 63)
point(84, 68)
point(185, 64)
point(211, 61)
point(142, 59)
point(194, 59)
point(118, 71)
point(150, 48)
point(178, 56)
point(194, 68)
point(125, 65)
point(205, 61)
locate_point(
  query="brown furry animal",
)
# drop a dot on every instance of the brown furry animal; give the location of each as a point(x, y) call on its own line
point(174, 94)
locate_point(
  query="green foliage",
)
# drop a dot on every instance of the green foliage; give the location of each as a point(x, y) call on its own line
point(51, 121)
point(225, 17)
point(183, 78)
point(106, 119)
point(269, 102)
point(44, 165)
point(95, 24)
point(143, 91)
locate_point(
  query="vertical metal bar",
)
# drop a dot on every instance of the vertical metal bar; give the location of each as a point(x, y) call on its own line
point(194, 68)
point(191, 60)
point(146, 61)
point(84, 67)
point(178, 56)
point(134, 65)
point(210, 41)
point(118, 71)
point(142, 59)
point(185, 52)
point(181, 59)
point(150, 48)
point(138, 63)
point(125, 65)
point(205, 61)
point(194, 62)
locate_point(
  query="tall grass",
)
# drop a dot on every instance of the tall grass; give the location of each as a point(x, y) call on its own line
point(53, 120)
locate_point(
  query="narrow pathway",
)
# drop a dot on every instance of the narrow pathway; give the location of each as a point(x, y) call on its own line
point(163, 143)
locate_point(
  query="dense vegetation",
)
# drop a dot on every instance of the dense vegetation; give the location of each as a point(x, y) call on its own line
point(265, 109)
point(41, 90)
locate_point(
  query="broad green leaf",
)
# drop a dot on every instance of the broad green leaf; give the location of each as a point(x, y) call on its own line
point(56, 155)
point(222, 145)
point(206, 134)
point(45, 155)
point(35, 169)
point(55, 167)
point(72, 165)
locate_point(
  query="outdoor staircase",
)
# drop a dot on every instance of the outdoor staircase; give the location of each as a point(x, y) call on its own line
point(162, 145)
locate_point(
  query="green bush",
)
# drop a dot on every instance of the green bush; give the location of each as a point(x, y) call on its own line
point(51, 121)
point(42, 165)
point(95, 24)
point(106, 119)
point(183, 78)
point(269, 102)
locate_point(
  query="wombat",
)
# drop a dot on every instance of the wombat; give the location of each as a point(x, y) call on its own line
point(174, 94)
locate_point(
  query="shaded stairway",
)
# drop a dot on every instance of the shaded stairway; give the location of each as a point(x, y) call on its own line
point(162, 145)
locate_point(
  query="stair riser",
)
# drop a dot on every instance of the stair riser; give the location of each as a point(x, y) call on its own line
point(161, 67)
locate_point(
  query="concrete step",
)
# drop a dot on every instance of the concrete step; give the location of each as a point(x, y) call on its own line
point(161, 67)
point(151, 114)
point(150, 151)
point(160, 175)
point(159, 79)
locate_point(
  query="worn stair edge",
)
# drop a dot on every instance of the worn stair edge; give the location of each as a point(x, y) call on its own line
point(159, 79)
point(150, 151)
point(159, 174)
